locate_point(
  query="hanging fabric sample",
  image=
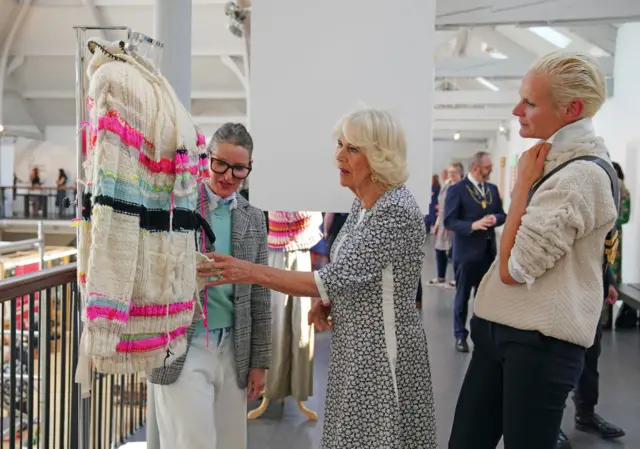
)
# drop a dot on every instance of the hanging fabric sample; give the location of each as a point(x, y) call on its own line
point(291, 237)
point(137, 247)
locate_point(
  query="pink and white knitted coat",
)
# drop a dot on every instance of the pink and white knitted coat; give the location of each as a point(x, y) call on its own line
point(137, 251)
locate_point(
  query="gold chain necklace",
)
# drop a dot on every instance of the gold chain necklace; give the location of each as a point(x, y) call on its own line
point(483, 201)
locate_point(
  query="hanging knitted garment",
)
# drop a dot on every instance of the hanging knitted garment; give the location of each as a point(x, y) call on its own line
point(137, 249)
point(294, 231)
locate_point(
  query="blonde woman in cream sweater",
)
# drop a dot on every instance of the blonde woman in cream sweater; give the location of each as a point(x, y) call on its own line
point(537, 308)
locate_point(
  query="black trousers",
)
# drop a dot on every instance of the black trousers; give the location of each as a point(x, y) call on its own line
point(516, 387)
point(588, 389)
point(442, 260)
point(468, 276)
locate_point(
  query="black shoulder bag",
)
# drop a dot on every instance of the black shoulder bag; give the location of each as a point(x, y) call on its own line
point(611, 243)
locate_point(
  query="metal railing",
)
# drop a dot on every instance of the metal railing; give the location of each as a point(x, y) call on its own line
point(41, 402)
point(37, 203)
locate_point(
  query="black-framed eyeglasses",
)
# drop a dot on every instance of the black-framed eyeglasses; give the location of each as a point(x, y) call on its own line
point(221, 167)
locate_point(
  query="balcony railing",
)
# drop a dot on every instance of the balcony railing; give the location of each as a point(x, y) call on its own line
point(41, 403)
point(45, 202)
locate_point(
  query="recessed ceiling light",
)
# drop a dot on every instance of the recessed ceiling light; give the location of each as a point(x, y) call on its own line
point(456, 135)
point(488, 84)
point(551, 35)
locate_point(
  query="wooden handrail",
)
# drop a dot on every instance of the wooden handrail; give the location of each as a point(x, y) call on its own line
point(19, 286)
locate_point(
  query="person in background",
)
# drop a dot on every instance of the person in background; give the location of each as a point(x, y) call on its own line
point(331, 227)
point(35, 178)
point(61, 193)
point(34, 195)
point(587, 391)
point(433, 204)
point(538, 307)
point(16, 180)
point(628, 317)
point(379, 392)
point(444, 237)
point(473, 209)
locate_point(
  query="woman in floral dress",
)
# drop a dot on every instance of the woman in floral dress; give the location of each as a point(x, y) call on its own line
point(379, 393)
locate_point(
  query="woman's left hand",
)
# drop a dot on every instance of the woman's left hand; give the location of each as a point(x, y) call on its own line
point(226, 270)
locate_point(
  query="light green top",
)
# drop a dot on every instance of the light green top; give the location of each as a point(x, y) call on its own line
point(219, 298)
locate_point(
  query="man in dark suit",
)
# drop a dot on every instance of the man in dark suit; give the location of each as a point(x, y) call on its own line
point(472, 211)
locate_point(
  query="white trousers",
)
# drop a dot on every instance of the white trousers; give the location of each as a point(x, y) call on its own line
point(204, 408)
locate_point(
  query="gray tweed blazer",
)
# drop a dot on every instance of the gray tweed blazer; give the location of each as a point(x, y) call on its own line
point(252, 303)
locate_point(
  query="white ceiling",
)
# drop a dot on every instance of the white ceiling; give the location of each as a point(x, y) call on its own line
point(40, 90)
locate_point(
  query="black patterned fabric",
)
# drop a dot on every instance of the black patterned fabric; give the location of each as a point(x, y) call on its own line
point(367, 406)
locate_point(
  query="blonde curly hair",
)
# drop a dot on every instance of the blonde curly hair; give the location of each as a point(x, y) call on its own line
point(381, 138)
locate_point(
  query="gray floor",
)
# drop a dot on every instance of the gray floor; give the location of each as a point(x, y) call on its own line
point(284, 428)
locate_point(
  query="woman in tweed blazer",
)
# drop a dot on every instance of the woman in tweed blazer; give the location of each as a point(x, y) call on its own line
point(199, 401)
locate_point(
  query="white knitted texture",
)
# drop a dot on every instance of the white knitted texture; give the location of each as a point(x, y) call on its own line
point(560, 243)
point(123, 262)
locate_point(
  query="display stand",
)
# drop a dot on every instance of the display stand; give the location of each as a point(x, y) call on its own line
point(258, 412)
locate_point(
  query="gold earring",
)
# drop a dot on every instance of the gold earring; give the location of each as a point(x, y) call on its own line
point(374, 177)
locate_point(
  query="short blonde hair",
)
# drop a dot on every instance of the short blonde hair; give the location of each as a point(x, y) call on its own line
point(575, 75)
point(381, 138)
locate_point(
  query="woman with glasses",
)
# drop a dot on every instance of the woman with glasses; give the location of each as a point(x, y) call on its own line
point(200, 400)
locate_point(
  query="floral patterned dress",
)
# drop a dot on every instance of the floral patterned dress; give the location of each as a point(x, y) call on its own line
point(379, 393)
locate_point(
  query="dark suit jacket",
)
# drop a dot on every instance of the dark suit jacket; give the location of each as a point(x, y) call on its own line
point(461, 210)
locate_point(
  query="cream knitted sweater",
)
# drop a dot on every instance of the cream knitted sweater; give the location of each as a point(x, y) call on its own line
point(560, 244)
point(137, 250)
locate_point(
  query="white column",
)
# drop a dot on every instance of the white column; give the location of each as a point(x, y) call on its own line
point(172, 25)
point(312, 62)
point(7, 156)
point(625, 139)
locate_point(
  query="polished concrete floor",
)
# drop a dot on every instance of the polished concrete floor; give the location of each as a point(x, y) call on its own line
point(286, 428)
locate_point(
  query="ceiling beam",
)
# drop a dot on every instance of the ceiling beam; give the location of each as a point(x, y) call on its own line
point(455, 97)
point(454, 14)
point(121, 3)
point(604, 36)
point(438, 125)
point(495, 68)
point(502, 43)
point(472, 114)
point(468, 67)
point(98, 17)
point(476, 97)
point(202, 120)
point(70, 94)
point(459, 125)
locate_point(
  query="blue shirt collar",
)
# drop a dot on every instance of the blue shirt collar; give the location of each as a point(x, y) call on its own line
point(214, 200)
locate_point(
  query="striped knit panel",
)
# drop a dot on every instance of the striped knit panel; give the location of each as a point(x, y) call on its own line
point(140, 277)
point(294, 231)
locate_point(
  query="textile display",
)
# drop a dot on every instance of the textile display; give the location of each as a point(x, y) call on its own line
point(292, 339)
point(137, 247)
point(291, 237)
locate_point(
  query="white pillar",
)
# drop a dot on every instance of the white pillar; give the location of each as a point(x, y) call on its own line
point(625, 139)
point(312, 62)
point(7, 156)
point(172, 25)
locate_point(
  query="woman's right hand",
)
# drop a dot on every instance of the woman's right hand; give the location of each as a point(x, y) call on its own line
point(319, 316)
